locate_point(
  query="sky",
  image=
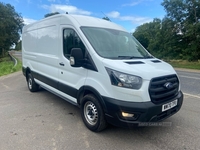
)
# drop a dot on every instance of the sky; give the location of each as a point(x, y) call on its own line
point(127, 13)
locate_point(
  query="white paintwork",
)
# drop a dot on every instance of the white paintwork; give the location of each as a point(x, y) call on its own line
point(42, 51)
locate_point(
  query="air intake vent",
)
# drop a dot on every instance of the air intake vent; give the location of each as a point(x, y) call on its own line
point(164, 88)
point(156, 61)
point(134, 62)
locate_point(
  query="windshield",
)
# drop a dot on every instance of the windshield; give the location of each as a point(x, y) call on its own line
point(114, 44)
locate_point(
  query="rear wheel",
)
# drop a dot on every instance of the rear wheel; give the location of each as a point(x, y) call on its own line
point(92, 113)
point(32, 86)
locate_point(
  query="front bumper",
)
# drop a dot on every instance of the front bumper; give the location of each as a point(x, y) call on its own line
point(144, 111)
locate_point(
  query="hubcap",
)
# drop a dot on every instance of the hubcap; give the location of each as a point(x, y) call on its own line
point(90, 113)
point(30, 83)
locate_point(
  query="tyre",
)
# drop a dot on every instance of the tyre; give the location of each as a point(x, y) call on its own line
point(32, 86)
point(92, 113)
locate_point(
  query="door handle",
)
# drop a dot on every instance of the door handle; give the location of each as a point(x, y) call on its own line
point(61, 63)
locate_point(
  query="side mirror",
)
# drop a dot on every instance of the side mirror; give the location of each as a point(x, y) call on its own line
point(76, 58)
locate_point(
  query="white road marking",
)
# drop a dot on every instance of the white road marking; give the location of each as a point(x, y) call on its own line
point(189, 77)
point(192, 95)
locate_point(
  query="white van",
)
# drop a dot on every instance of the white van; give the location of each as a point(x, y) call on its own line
point(98, 66)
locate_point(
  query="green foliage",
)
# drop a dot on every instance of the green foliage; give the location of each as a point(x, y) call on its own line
point(184, 64)
point(11, 24)
point(7, 66)
point(186, 15)
point(51, 14)
point(19, 45)
point(177, 35)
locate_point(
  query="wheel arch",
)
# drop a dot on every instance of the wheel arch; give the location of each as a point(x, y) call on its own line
point(27, 71)
point(84, 90)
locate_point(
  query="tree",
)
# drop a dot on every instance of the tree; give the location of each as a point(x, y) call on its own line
point(160, 38)
point(177, 35)
point(148, 35)
point(186, 17)
point(51, 14)
point(11, 24)
point(19, 45)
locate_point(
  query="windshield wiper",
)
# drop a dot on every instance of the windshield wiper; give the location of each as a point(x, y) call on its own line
point(135, 57)
point(146, 57)
point(130, 57)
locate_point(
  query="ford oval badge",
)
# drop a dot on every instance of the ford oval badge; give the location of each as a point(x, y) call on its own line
point(168, 85)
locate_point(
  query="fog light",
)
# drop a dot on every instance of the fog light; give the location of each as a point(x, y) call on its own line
point(124, 114)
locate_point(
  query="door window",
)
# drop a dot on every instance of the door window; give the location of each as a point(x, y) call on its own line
point(71, 40)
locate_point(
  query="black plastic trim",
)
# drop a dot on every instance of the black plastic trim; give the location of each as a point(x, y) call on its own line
point(95, 92)
point(145, 111)
point(60, 96)
point(134, 62)
point(49, 81)
point(57, 85)
point(67, 90)
point(24, 71)
point(89, 63)
point(158, 93)
point(156, 61)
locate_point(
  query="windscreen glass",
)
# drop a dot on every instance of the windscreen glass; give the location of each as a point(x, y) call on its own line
point(115, 44)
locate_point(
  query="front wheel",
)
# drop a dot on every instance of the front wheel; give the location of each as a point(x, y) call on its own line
point(92, 113)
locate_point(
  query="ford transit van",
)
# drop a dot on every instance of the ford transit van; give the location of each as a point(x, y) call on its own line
point(100, 67)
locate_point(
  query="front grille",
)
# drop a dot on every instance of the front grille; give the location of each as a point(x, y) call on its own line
point(158, 90)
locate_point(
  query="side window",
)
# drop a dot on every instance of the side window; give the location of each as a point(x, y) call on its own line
point(71, 40)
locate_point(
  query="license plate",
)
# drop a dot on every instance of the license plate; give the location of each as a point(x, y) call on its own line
point(169, 105)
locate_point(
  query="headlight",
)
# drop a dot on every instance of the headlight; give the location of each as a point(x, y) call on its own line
point(124, 80)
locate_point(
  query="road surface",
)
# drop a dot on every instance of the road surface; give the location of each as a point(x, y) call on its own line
point(190, 81)
point(17, 54)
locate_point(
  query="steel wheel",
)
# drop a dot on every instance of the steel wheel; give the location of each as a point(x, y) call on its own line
point(32, 86)
point(30, 82)
point(90, 113)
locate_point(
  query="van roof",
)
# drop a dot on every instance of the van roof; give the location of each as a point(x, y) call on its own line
point(76, 20)
point(93, 22)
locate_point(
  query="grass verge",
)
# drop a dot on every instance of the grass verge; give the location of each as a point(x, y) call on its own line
point(185, 64)
point(7, 66)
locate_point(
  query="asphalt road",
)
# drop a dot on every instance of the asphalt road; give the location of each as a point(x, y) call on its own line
point(41, 120)
point(190, 81)
point(18, 54)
